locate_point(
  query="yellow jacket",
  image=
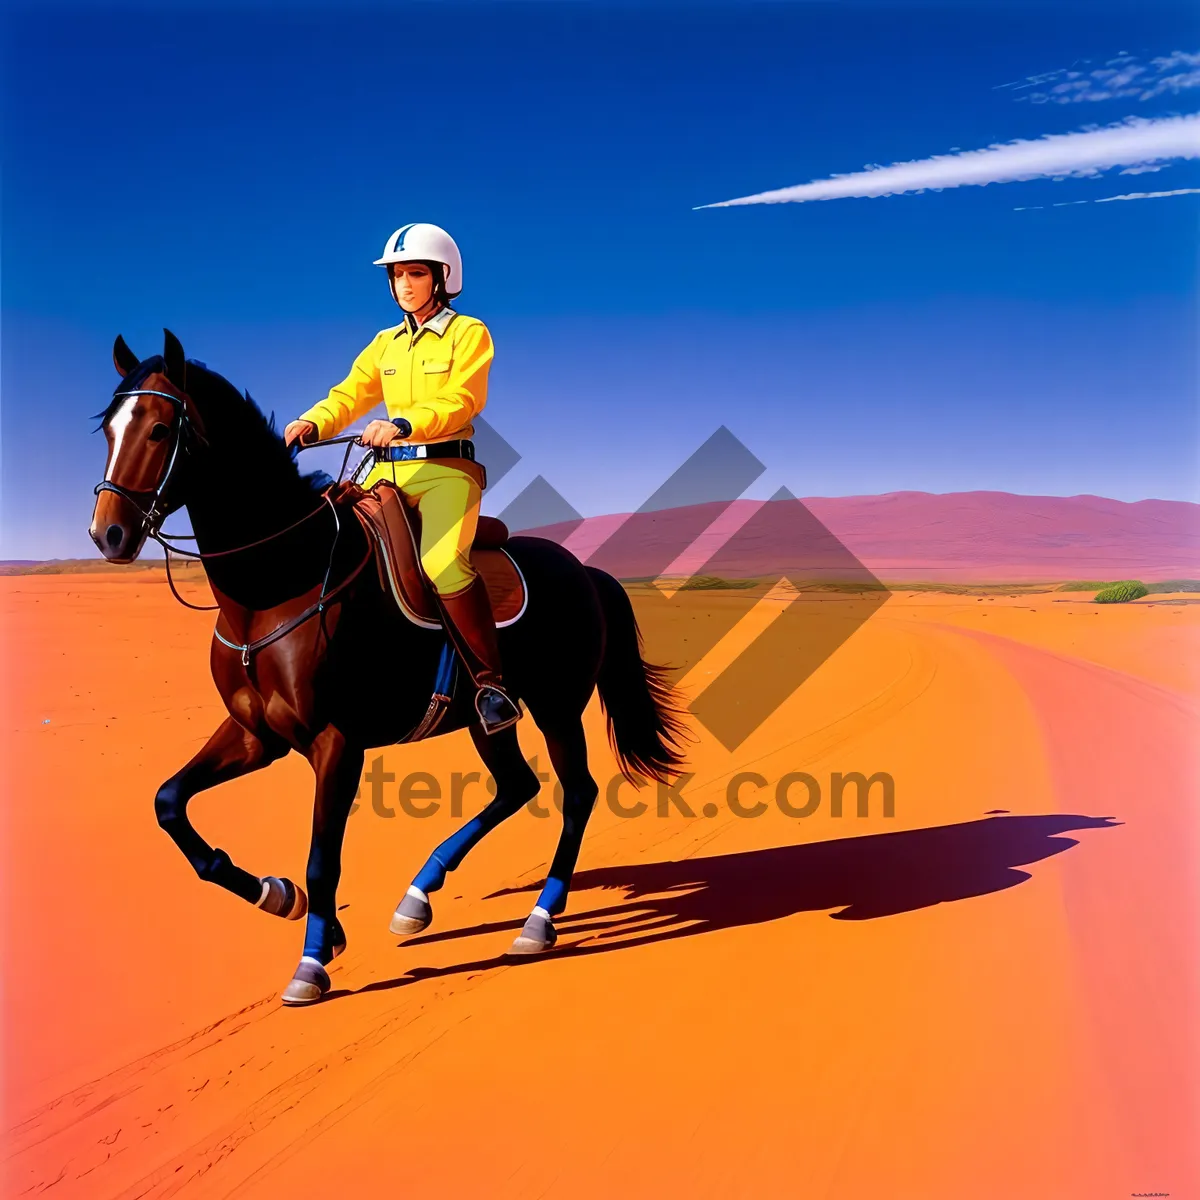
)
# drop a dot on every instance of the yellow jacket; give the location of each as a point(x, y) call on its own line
point(436, 379)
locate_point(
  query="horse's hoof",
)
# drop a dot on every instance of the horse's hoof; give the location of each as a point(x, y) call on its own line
point(412, 914)
point(282, 898)
point(310, 982)
point(537, 936)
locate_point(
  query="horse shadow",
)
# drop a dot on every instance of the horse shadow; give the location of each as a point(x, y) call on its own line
point(854, 879)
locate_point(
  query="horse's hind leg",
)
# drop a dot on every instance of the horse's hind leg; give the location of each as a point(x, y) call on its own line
point(231, 752)
point(516, 785)
point(568, 753)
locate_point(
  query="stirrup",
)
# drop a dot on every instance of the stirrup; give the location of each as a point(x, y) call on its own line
point(496, 709)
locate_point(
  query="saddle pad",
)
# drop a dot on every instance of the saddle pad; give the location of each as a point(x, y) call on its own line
point(505, 583)
point(398, 564)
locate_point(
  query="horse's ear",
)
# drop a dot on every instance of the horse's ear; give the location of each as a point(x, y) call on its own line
point(124, 359)
point(176, 364)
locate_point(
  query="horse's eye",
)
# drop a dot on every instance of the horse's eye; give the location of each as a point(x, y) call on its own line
point(159, 432)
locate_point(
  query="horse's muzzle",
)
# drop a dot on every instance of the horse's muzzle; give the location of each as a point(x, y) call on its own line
point(112, 542)
point(118, 535)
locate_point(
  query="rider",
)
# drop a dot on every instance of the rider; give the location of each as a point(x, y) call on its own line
point(431, 372)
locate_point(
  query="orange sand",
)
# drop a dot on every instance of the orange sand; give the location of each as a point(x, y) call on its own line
point(709, 1030)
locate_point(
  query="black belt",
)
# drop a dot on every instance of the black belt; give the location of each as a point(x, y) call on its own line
point(462, 448)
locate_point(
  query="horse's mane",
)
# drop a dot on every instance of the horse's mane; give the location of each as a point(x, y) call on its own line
point(235, 413)
point(234, 418)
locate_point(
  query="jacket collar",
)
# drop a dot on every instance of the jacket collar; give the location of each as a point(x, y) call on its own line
point(436, 324)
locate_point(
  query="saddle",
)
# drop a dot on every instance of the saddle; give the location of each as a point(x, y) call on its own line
point(393, 528)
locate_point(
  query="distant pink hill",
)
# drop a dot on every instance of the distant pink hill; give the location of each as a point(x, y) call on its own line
point(919, 536)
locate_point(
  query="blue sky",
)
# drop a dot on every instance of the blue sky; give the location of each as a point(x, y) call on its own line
point(231, 175)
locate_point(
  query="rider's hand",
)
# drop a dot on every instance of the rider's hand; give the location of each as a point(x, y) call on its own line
point(303, 432)
point(380, 433)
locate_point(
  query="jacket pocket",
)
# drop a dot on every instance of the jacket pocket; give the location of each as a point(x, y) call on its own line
point(431, 377)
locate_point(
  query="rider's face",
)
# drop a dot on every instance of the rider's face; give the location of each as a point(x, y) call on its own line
point(413, 285)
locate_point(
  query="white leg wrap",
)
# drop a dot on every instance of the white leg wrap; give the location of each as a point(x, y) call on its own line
point(539, 911)
point(417, 894)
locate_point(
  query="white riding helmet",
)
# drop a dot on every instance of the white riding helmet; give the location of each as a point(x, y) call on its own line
point(425, 243)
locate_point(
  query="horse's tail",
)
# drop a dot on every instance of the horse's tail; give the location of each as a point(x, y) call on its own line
point(645, 719)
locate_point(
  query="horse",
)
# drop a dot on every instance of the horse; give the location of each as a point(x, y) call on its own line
point(301, 619)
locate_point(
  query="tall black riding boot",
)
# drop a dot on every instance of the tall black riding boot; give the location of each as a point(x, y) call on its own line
point(471, 626)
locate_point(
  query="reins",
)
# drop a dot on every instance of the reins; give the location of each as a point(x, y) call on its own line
point(325, 597)
point(168, 549)
point(159, 535)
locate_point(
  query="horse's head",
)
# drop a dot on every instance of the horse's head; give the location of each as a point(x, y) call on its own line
point(151, 425)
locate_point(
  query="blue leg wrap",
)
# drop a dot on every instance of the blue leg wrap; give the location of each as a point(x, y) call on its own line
point(449, 854)
point(317, 941)
point(431, 876)
point(554, 896)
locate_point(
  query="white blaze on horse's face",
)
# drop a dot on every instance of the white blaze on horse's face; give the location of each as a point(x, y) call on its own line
point(118, 425)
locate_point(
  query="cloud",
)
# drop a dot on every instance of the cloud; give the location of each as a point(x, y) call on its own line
point(1135, 142)
point(1122, 77)
point(1107, 199)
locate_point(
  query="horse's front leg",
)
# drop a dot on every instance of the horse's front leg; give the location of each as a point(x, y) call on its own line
point(338, 767)
point(231, 752)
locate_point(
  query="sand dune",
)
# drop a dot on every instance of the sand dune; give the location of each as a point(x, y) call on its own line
point(996, 1008)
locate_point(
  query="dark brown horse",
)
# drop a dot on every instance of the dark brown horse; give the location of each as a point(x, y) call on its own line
point(290, 572)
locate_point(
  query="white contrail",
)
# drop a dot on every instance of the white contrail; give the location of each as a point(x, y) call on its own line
point(1106, 199)
point(1120, 77)
point(1135, 142)
point(1150, 195)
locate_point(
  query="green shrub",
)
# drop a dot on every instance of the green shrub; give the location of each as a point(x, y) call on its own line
point(1122, 593)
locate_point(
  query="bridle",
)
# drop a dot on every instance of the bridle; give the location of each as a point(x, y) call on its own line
point(154, 513)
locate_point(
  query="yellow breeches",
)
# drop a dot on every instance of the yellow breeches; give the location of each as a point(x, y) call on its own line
point(447, 498)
